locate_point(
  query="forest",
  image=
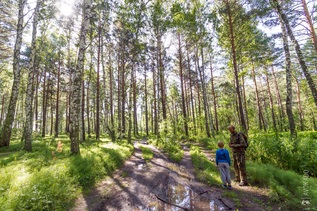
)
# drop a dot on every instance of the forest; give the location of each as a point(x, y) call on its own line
point(82, 81)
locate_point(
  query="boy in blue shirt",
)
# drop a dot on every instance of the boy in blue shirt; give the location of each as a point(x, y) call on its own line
point(223, 165)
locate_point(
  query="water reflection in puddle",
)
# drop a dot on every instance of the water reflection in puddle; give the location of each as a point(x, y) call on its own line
point(186, 198)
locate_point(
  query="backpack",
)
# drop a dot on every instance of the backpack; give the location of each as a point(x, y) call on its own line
point(245, 138)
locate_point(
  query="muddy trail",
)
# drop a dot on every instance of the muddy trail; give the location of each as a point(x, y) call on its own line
point(160, 184)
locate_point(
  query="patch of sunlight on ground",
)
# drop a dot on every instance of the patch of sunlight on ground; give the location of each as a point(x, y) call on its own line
point(111, 145)
point(22, 176)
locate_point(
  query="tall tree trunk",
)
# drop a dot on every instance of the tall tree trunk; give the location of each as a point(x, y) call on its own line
point(191, 90)
point(146, 104)
point(98, 87)
point(235, 67)
point(299, 105)
point(30, 87)
point(289, 96)
point(2, 108)
point(44, 104)
point(245, 103)
point(299, 53)
point(257, 97)
point(202, 80)
point(271, 99)
point(155, 103)
point(7, 126)
point(82, 113)
point(111, 94)
point(182, 84)
point(214, 97)
point(77, 80)
point(310, 24)
point(57, 96)
point(279, 101)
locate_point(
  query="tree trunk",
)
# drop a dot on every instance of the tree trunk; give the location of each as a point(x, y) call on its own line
point(44, 104)
point(77, 80)
point(57, 97)
point(235, 67)
point(257, 97)
point(2, 108)
point(98, 87)
point(289, 96)
point(310, 24)
point(299, 53)
point(202, 80)
point(279, 102)
point(30, 87)
point(182, 84)
point(155, 103)
point(214, 97)
point(245, 103)
point(271, 100)
point(146, 105)
point(6, 131)
point(82, 113)
point(299, 106)
point(191, 90)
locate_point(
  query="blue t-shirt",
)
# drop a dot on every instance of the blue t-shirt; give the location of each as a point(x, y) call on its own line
point(222, 156)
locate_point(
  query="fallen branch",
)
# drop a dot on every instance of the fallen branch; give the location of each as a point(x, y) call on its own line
point(166, 202)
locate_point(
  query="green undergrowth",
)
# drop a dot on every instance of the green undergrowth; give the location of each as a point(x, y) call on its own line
point(171, 146)
point(205, 170)
point(49, 178)
point(291, 190)
point(276, 148)
point(146, 153)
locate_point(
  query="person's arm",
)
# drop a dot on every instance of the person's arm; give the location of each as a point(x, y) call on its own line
point(228, 158)
point(217, 157)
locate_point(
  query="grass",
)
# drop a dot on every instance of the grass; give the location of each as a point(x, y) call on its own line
point(286, 187)
point(170, 146)
point(205, 170)
point(146, 153)
point(51, 179)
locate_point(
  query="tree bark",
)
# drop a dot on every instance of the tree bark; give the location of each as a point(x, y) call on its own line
point(182, 83)
point(299, 53)
point(271, 99)
point(77, 80)
point(57, 96)
point(257, 97)
point(7, 126)
point(30, 87)
point(98, 87)
point(235, 67)
point(310, 24)
point(213, 93)
point(44, 104)
point(289, 97)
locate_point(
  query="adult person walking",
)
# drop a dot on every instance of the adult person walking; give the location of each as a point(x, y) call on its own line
point(238, 145)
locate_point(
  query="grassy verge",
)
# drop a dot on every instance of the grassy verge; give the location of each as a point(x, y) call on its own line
point(205, 170)
point(287, 188)
point(146, 153)
point(171, 147)
point(49, 178)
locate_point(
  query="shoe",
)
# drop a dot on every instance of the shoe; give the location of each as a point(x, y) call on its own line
point(229, 187)
point(224, 186)
point(243, 183)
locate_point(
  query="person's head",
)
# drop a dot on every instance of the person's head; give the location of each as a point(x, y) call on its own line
point(232, 129)
point(220, 144)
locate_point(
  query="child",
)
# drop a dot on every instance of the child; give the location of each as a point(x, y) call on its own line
point(223, 163)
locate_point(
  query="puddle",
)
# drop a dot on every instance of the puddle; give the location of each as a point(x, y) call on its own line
point(184, 197)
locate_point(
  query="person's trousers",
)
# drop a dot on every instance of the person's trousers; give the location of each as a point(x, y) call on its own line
point(224, 170)
point(239, 166)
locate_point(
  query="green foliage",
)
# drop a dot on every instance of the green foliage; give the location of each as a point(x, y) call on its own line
point(146, 153)
point(286, 187)
point(206, 170)
point(277, 149)
point(171, 146)
point(49, 178)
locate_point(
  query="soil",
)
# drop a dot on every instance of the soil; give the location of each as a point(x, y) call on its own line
point(163, 185)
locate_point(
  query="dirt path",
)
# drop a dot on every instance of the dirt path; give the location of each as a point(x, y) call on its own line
point(160, 185)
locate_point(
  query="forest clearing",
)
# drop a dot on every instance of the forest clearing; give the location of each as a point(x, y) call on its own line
point(125, 105)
